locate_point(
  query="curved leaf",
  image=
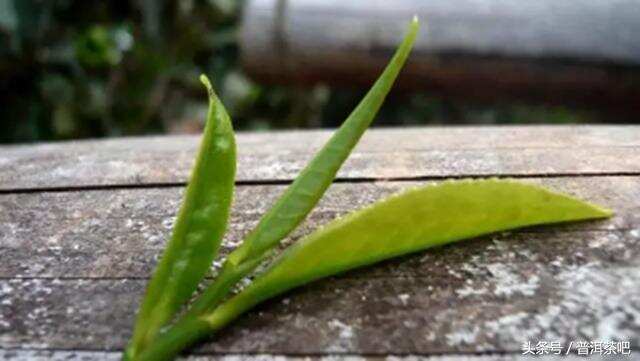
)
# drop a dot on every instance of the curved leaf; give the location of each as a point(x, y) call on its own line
point(412, 221)
point(198, 230)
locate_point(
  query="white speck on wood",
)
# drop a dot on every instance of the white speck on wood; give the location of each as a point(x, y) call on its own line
point(508, 283)
point(470, 291)
point(344, 341)
point(510, 324)
point(462, 336)
point(404, 298)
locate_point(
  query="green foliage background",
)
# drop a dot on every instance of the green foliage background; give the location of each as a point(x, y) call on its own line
point(78, 69)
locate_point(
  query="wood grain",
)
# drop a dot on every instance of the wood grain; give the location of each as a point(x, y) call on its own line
point(382, 153)
point(75, 260)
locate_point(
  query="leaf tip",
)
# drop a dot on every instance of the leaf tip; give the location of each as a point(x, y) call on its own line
point(207, 84)
point(601, 212)
point(414, 27)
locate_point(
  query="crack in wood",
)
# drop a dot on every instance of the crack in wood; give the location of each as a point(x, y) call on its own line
point(354, 180)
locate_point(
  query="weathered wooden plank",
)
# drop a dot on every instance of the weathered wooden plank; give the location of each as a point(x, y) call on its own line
point(524, 296)
point(117, 233)
point(551, 284)
point(388, 153)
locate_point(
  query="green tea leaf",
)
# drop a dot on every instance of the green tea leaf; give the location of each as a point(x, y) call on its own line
point(199, 228)
point(414, 220)
point(300, 198)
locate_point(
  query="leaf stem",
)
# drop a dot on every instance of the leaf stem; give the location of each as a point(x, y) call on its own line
point(229, 276)
point(191, 329)
point(168, 345)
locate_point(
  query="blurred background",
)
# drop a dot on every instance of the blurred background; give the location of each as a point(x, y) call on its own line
point(73, 69)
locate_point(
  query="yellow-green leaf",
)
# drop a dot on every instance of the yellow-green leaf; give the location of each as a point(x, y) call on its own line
point(412, 221)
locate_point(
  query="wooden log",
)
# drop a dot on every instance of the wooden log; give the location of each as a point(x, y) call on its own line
point(382, 154)
point(583, 52)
